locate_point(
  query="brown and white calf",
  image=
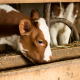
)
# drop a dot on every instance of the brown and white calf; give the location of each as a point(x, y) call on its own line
point(30, 35)
point(63, 32)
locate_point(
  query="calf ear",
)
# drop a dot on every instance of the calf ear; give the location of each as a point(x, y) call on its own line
point(24, 26)
point(34, 14)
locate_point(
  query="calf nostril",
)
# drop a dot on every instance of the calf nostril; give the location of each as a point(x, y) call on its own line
point(50, 57)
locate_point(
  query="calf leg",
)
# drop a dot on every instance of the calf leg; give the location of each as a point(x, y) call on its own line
point(64, 37)
point(53, 34)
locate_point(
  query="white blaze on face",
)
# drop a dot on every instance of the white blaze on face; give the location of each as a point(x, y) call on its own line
point(45, 30)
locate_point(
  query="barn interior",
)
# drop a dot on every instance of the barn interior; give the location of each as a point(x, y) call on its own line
point(13, 60)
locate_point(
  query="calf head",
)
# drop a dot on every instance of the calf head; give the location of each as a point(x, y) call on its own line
point(34, 41)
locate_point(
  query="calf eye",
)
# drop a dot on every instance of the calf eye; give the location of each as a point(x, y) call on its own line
point(40, 42)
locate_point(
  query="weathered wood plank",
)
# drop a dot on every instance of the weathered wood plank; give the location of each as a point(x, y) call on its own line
point(7, 62)
point(36, 1)
point(65, 70)
point(19, 60)
point(63, 54)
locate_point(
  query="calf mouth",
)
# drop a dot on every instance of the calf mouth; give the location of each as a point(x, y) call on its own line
point(36, 62)
point(25, 53)
point(31, 60)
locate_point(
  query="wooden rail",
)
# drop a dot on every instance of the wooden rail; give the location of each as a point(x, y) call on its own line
point(15, 61)
point(36, 1)
point(64, 70)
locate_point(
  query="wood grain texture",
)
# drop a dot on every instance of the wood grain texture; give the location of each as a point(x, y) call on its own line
point(64, 70)
point(16, 61)
point(36, 1)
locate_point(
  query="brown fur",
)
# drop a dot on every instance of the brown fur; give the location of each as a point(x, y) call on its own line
point(15, 23)
point(9, 22)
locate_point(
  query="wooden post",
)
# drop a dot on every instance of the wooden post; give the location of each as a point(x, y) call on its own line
point(47, 13)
